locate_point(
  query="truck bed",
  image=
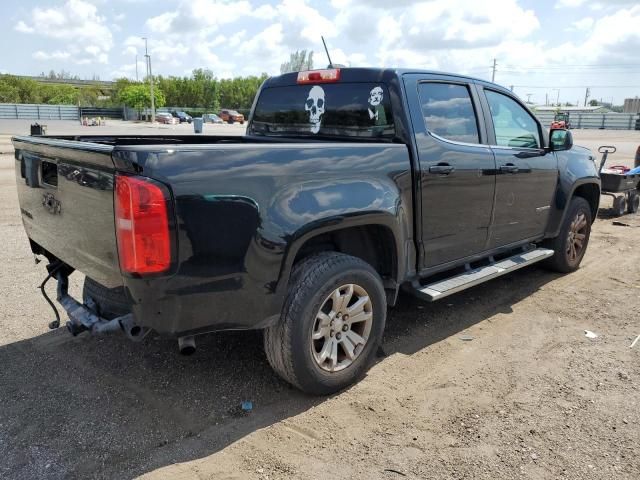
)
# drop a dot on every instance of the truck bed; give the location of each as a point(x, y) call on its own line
point(239, 205)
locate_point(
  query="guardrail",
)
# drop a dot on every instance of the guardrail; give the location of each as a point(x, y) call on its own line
point(602, 121)
point(13, 111)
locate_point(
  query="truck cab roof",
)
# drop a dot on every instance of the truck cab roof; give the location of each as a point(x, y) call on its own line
point(375, 75)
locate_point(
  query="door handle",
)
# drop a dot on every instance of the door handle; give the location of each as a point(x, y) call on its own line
point(441, 169)
point(509, 168)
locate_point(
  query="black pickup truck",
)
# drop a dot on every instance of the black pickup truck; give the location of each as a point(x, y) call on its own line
point(349, 184)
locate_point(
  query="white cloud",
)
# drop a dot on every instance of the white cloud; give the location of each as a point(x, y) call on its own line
point(569, 3)
point(77, 24)
point(55, 55)
point(583, 24)
point(199, 16)
point(23, 27)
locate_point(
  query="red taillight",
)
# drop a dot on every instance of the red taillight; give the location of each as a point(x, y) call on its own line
point(142, 226)
point(319, 76)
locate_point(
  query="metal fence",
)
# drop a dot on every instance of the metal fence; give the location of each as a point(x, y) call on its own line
point(603, 121)
point(13, 111)
point(114, 113)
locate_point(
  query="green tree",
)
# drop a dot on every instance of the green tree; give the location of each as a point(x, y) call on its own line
point(298, 61)
point(28, 91)
point(59, 94)
point(8, 93)
point(138, 96)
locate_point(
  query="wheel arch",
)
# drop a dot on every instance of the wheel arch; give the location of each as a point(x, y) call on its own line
point(374, 238)
point(591, 193)
point(587, 188)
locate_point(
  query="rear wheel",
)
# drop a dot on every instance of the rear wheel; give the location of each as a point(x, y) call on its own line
point(571, 244)
point(331, 324)
point(634, 202)
point(619, 206)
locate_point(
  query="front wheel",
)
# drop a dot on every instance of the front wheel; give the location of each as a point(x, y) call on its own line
point(331, 324)
point(571, 244)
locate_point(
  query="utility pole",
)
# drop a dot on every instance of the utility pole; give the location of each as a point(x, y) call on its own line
point(493, 75)
point(150, 75)
point(586, 96)
point(511, 88)
point(529, 97)
point(546, 98)
point(137, 67)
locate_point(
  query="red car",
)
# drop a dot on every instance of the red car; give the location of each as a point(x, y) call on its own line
point(231, 116)
point(167, 118)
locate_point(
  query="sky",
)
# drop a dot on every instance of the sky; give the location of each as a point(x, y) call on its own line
point(544, 49)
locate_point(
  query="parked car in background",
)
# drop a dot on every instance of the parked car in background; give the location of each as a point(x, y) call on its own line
point(167, 118)
point(182, 117)
point(212, 118)
point(231, 116)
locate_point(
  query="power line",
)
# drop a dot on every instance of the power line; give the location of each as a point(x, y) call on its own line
point(565, 65)
point(569, 72)
point(577, 86)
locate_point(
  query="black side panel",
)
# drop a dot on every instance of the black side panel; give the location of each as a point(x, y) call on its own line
point(244, 211)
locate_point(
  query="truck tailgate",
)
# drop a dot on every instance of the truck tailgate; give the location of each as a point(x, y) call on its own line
point(65, 189)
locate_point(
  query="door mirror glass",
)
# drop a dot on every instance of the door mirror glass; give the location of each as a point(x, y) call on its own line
point(560, 139)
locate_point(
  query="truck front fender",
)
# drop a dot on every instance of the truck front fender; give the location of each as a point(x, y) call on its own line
point(578, 176)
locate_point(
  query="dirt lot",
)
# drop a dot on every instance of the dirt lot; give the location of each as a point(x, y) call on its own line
point(496, 382)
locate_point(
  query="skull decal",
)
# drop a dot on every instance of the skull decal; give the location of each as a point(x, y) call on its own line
point(376, 109)
point(375, 96)
point(315, 106)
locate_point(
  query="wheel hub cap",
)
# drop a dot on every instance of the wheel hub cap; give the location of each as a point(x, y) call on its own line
point(342, 327)
point(576, 237)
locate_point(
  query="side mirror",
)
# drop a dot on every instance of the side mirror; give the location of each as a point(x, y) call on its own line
point(560, 139)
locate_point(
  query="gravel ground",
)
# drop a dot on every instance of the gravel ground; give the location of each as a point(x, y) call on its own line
point(499, 381)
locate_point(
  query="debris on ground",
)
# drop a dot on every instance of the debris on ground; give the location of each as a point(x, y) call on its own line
point(466, 338)
point(395, 471)
point(634, 342)
point(590, 334)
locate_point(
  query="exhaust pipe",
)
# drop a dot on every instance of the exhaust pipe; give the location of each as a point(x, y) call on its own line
point(187, 345)
point(129, 327)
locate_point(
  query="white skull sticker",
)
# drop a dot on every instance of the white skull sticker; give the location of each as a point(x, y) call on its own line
point(375, 99)
point(315, 106)
point(375, 96)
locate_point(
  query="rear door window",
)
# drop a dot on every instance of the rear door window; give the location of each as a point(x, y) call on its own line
point(337, 109)
point(448, 111)
point(514, 126)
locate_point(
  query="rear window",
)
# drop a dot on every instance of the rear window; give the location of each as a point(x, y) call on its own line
point(339, 109)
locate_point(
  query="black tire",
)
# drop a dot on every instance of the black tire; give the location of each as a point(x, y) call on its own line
point(110, 302)
point(619, 206)
point(230, 122)
point(634, 202)
point(562, 261)
point(288, 344)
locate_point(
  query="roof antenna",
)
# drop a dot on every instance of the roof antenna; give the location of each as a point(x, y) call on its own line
point(327, 50)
